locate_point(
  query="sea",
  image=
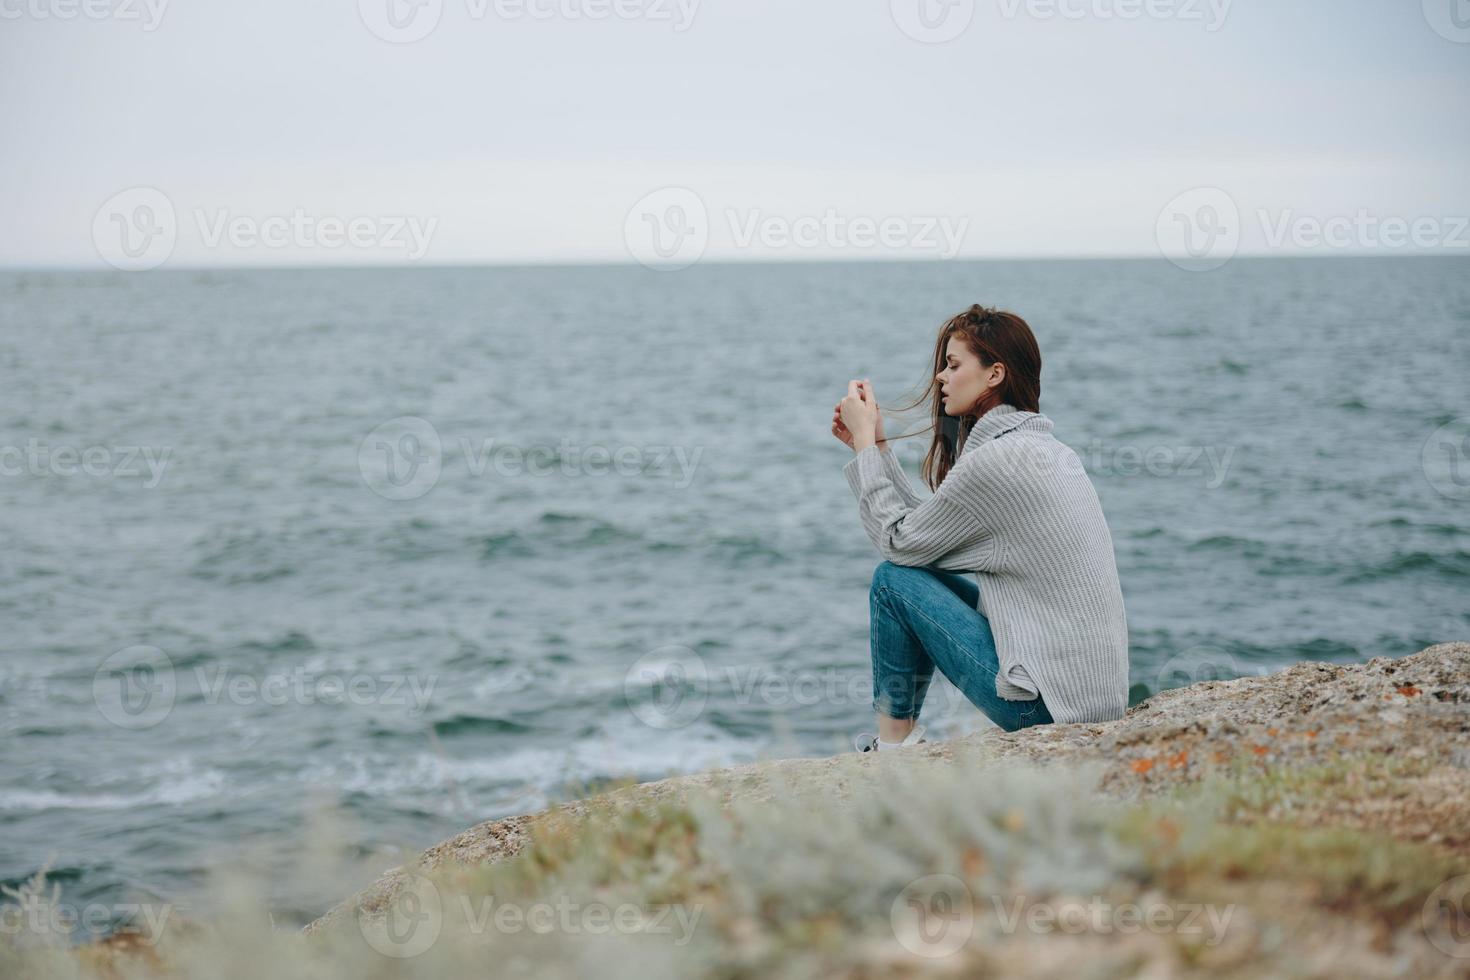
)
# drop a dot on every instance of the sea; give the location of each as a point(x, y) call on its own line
point(427, 547)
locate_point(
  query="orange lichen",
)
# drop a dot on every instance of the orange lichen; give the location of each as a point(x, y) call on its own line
point(1409, 691)
point(1142, 765)
point(973, 862)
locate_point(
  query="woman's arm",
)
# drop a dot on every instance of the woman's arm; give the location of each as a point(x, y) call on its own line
point(890, 458)
point(943, 531)
point(896, 473)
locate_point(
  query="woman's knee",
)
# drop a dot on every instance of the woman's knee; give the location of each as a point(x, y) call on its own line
point(887, 574)
point(881, 575)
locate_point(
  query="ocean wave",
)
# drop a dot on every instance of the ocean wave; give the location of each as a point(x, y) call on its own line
point(169, 792)
point(292, 641)
point(243, 559)
point(466, 724)
point(556, 534)
point(1433, 529)
point(1452, 565)
point(614, 752)
point(1245, 547)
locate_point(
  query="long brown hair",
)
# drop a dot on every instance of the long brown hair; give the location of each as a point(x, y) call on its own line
point(992, 335)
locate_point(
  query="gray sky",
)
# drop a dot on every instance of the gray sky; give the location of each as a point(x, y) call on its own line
point(534, 131)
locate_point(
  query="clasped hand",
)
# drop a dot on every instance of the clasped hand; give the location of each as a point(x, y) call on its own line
point(856, 421)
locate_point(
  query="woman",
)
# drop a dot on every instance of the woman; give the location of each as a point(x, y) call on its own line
point(1040, 637)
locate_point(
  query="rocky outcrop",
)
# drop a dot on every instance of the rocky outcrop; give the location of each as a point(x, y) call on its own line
point(1409, 715)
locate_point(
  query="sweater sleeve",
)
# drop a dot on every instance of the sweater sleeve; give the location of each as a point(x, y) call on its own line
point(942, 531)
point(901, 485)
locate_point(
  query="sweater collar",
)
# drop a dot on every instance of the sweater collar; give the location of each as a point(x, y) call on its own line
point(1000, 420)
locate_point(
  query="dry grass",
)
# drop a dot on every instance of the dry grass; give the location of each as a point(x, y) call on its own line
point(1242, 873)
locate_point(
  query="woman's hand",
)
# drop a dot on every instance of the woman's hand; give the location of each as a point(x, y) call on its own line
point(839, 429)
point(858, 415)
point(878, 436)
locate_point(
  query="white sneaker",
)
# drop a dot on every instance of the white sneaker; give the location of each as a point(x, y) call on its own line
point(868, 742)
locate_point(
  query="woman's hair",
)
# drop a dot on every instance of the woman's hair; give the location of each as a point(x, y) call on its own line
point(992, 335)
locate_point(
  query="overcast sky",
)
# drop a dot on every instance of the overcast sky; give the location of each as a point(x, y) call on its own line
point(461, 131)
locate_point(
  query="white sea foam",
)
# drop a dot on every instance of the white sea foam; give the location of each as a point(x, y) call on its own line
point(173, 790)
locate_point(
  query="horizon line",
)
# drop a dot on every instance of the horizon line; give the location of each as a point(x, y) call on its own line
point(631, 264)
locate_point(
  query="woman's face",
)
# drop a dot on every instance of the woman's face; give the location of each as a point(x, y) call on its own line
point(964, 379)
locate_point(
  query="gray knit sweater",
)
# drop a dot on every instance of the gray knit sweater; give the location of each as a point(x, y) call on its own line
point(1018, 510)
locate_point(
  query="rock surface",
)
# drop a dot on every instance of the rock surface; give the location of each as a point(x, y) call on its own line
point(1415, 709)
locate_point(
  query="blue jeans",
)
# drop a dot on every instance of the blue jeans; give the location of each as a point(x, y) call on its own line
point(924, 618)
